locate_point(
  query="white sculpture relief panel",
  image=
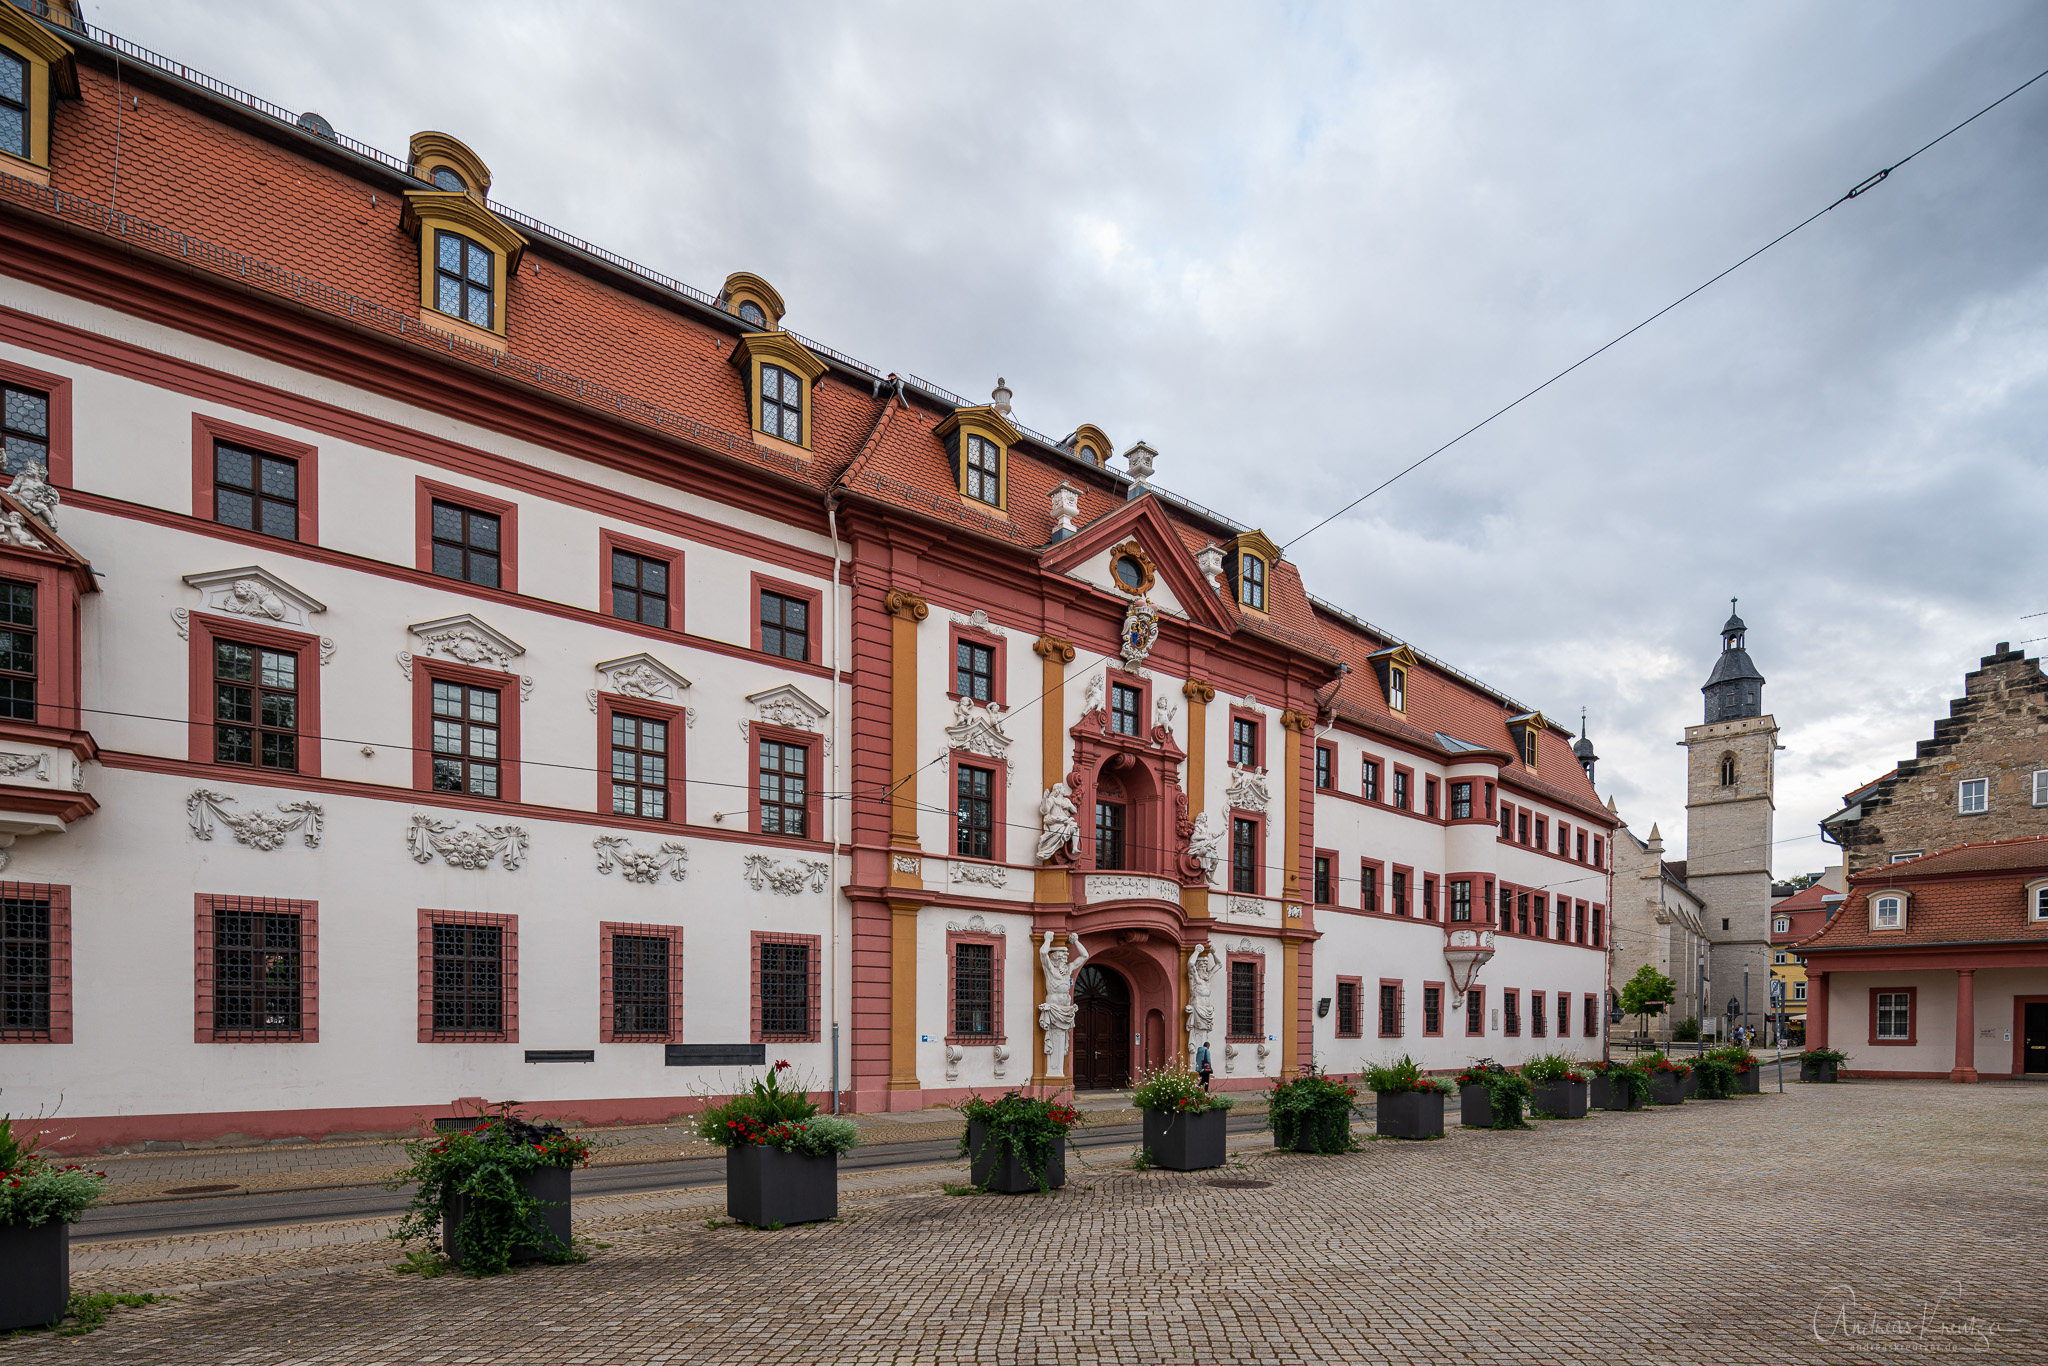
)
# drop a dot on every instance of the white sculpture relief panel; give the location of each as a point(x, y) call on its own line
point(1129, 886)
point(466, 640)
point(979, 730)
point(459, 848)
point(786, 879)
point(258, 829)
point(641, 865)
point(1247, 789)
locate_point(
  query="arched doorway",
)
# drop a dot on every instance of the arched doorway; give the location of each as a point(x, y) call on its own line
point(1102, 1029)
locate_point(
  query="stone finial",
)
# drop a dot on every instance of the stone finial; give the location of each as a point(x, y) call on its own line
point(1066, 505)
point(1138, 461)
point(999, 398)
point(1209, 562)
point(1655, 836)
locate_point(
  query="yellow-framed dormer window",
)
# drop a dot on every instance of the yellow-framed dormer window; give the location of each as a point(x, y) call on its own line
point(978, 442)
point(780, 373)
point(468, 255)
point(1090, 443)
point(1391, 665)
point(752, 300)
point(1252, 557)
point(1397, 688)
point(1526, 730)
point(36, 68)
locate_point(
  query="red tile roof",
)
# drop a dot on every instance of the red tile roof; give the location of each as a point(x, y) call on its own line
point(1969, 894)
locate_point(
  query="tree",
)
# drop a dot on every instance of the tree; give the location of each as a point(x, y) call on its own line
point(1648, 992)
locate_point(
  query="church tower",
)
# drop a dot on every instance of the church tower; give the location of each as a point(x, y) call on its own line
point(1729, 808)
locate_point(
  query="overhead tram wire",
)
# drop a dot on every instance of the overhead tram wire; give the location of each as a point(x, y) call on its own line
point(1867, 184)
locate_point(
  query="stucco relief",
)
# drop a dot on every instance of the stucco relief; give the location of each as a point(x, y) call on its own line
point(466, 640)
point(14, 530)
point(976, 924)
point(1245, 908)
point(1128, 886)
point(1247, 789)
point(254, 592)
point(1205, 846)
point(1140, 633)
point(641, 865)
point(979, 730)
point(1060, 837)
point(978, 620)
point(257, 829)
point(641, 676)
point(788, 706)
point(987, 874)
point(786, 879)
point(475, 848)
point(32, 490)
point(12, 763)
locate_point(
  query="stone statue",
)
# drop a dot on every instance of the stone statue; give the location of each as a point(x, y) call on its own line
point(14, 530)
point(1056, 1016)
point(1205, 846)
point(32, 489)
point(1091, 700)
point(1202, 966)
point(1061, 828)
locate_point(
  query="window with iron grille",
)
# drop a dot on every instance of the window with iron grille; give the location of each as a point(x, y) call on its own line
point(1592, 1030)
point(1390, 1010)
point(1400, 790)
point(1536, 1016)
point(785, 989)
point(640, 588)
point(1461, 900)
point(782, 404)
point(784, 788)
point(1244, 855)
point(1579, 923)
point(25, 967)
point(1461, 801)
point(1125, 703)
point(974, 670)
point(17, 650)
point(1432, 1010)
point(1540, 916)
point(255, 492)
point(1371, 781)
point(984, 471)
point(974, 989)
point(14, 104)
point(1251, 582)
point(1564, 1015)
point(469, 979)
point(639, 767)
point(785, 626)
point(974, 812)
point(465, 739)
point(1522, 912)
point(1511, 1013)
point(640, 985)
point(1244, 742)
point(1369, 887)
point(1894, 1015)
point(1347, 1009)
point(255, 706)
point(1397, 892)
point(1322, 766)
point(1596, 927)
point(1475, 1013)
point(1244, 1000)
point(257, 965)
point(25, 423)
point(1322, 881)
point(463, 278)
point(1109, 835)
point(466, 545)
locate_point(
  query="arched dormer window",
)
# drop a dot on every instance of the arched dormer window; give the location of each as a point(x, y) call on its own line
point(448, 178)
point(780, 374)
point(752, 300)
point(978, 442)
point(468, 255)
point(1728, 770)
point(36, 67)
point(1888, 910)
point(1090, 443)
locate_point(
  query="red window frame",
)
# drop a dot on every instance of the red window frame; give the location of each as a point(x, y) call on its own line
point(1522, 826)
point(1258, 721)
point(427, 492)
point(606, 1021)
point(1539, 1023)
point(997, 943)
point(1326, 768)
point(1428, 898)
point(1357, 985)
point(1579, 922)
point(998, 844)
point(1564, 1014)
point(508, 972)
point(1591, 1023)
point(1331, 878)
point(1478, 994)
point(814, 637)
point(608, 541)
point(1371, 888)
point(1258, 962)
point(608, 705)
point(1238, 813)
point(1431, 792)
point(1542, 835)
point(1401, 791)
point(1400, 1009)
point(1372, 787)
point(1113, 676)
point(1511, 1012)
point(204, 628)
point(999, 663)
point(1507, 821)
point(426, 671)
point(1598, 852)
point(1399, 904)
point(58, 390)
point(760, 937)
point(814, 803)
point(204, 1030)
point(1596, 926)
point(208, 430)
point(1442, 1004)
point(59, 897)
point(1912, 995)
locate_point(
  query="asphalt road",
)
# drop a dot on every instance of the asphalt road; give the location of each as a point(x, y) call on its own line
point(164, 1218)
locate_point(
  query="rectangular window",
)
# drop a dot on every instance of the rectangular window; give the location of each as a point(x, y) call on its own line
point(1244, 855)
point(1397, 892)
point(1973, 795)
point(1109, 835)
point(1596, 927)
point(469, 979)
point(463, 272)
point(1390, 1010)
point(1371, 778)
point(1486, 898)
point(14, 102)
point(1799, 991)
point(1582, 846)
point(17, 650)
point(1461, 901)
point(640, 589)
point(466, 544)
point(785, 626)
point(640, 986)
point(1429, 898)
point(2041, 903)
point(1322, 881)
point(2041, 787)
point(1541, 831)
point(1579, 923)
point(639, 767)
point(1564, 1015)
point(1369, 884)
point(974, 812)
point(1429, 796)
point(1244, 742)
point(1244, 999)
point(1432, 1010)
point(257, 965)
point(255, 491)
point(1564, 839)
point(1461, 801)
point(782, 404)
point(783, 771)
point(785, 990)
point(1125, 703)
point(1894, 1016)
point(974, 670)
point(28, 961)
point(1324, 761)
point(1507, 821)
point(1596, 853)
point(465, 739)
point(1347, 1010)
point(1397, 688)
point(1541, 916)
point(974, 989)
point(984, 471)
point(1511, 1013)
point(25, 419)
point(1521, 827)
point(1400, 790)
point(1475, 1013)
point(255, 706)
point(1538, 1024)
point(1592, 1029)
point(1522, 913)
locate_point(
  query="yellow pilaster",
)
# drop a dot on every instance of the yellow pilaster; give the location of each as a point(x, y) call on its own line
point(1290, 1005)
point(1050, 884)
point(1295, 724)
point(902, 996)
point(1195, 900)
point(906, 611)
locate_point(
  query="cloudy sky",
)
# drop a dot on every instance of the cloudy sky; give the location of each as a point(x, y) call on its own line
point(1294, 247)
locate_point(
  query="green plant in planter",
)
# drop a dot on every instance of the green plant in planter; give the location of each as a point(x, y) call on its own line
point(1176, 1089)
point(1508, 1092)
point(771, 1116)
point(1717, 1077)
point(1028, 1128)
point(1402, 1074)
point(1632, 1081)
point(1549, 1067)
point(482, 1164)
point(34, 1190)
point(1653, 1063)
point(1313, 1105)
point(1824, 1055)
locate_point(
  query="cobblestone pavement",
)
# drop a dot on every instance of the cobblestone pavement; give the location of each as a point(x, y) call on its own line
point(1893, 1221)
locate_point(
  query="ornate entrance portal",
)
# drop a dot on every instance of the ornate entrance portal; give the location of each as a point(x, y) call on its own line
point(1102, 1029)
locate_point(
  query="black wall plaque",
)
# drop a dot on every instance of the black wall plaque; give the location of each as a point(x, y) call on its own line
point(716, 1054)
point(561, 1055)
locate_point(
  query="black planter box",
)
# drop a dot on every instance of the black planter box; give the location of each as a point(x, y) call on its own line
point(1692, 1083)
point(1817, 1071)
point(35, 1274)
point(1333, 1130)
point(1666, 1089)
point(1475, 1107)
point(1184, 1142)
point(1607, 1096)
point(1411, 1114)
point(766, 1186)
point(1565, 1099)
point(549, 1184)
point(1750, 1083)
point(1010, 1178)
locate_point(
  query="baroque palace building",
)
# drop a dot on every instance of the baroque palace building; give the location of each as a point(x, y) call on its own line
point(444, 661)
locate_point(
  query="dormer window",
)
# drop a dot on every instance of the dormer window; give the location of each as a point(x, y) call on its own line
point(36, 67)
point(1251, 582)
point(467, 253)
point(750, 312)
point(984, 471)
point(446, 178)
point(781, 373)
point(2037, 900)
point(14, 112)
point(1397, 688)
point(782, 400)
point(1529, 746)
point(1888, 911)
point(978, 442)
point(463, 278)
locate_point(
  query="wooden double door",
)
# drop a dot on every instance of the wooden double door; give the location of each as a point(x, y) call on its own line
point(1102, 1029)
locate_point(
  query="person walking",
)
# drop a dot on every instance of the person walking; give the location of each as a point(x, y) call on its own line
point(1202, 1064)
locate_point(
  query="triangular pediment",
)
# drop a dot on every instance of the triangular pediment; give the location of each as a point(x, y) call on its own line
point(254, 592)
point(788, 705)
point(1176, 585)
point(466, 640)
point(641, 675)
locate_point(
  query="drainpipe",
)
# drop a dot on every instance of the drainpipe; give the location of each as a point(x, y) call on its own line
point(832, 802)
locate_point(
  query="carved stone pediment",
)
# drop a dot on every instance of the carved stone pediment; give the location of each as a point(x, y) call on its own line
point(466, 640)
point(641, 675)
point(788, 705)
point(257, 594)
